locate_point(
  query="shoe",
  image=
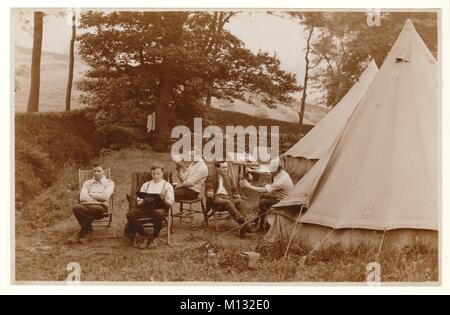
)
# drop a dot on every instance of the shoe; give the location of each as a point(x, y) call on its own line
point(244, 228)
point(264, 227)
point(74, 239)
point(253, 227)
point(147, 242)
point(87, 238)
point(138, 241)
point(129, 234)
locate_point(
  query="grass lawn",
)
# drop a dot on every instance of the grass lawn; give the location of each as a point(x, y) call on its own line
point(44, 225)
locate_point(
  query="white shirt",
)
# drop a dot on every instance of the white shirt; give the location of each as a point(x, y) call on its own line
point(162, 187)
point(281, 186)
point(103, 188)
point(196, 175)
point(221, 189)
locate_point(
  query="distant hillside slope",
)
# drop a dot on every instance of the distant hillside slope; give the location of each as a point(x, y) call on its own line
point(54, 70)
point(228, 118)
point(313, 114)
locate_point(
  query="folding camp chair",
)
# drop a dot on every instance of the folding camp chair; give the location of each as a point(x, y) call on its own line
point(107, 219)
point(189, 212)
point(137, 180)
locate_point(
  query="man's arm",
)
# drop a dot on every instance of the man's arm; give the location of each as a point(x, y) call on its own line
point(181, 171)
point(209, 185)
point(169, 196)
point(235, 191)
point(139, 201)
point(195, 178)
point(247, 185)
point(84, 193)
point(182, 177)
point(106, 194)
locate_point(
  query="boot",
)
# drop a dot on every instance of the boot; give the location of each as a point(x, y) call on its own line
point(74, 239)
point(244, 227)
point(146, 242)
point(86, 239)
point(129, 233)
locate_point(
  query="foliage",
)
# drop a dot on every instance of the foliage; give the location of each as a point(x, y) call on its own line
point(344, 43)
point(45, 142)
point(34, 171)
point(169, 63)
point(65, 137)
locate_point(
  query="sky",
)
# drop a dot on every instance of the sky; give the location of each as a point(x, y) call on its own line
point(257, 29)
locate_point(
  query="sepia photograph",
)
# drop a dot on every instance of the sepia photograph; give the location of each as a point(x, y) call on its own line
point(242, 146)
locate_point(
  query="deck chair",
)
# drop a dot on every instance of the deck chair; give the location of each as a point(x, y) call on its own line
point(217, 213)
point(137, 180)
point(186, 210)
point(107, 220)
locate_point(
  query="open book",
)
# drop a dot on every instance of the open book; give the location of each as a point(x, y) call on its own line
point(143, 195)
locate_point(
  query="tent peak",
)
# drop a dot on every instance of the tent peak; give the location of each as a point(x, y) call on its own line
point(409, 25)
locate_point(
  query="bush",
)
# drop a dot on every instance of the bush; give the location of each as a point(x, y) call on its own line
point(225, 118)
point(66, 136)
point(118, 137)
point(53, 205)
point(34, 171)
point(45, 142)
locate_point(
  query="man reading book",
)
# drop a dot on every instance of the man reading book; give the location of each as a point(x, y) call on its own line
point(153, 201)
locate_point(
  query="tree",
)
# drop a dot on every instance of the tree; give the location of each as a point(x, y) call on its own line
point(33, 99)
point(71, 62)
point(213, 44)
point(312, 22)
point(170, 63)
point(346, 44)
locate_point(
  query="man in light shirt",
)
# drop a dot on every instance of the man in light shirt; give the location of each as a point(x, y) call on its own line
point(94, 202)
point(223, 193)
point(271, 194)
point(192, 178)
point(151, 207)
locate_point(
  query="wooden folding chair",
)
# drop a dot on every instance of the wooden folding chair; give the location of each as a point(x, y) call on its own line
point(107, 219)
point(189, 212)
point(137, 180)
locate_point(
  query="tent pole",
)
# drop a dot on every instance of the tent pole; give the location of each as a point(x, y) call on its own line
point(318, 245)
point(381, 246)
point(294, 230)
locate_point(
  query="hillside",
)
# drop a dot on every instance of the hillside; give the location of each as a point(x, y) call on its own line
point(238, 119)
point(54, 72)
point(313, 114)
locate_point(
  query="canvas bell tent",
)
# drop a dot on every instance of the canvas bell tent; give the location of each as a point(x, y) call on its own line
point(299, 159)
point(380, 179)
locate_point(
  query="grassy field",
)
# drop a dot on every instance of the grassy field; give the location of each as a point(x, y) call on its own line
point(43, 226)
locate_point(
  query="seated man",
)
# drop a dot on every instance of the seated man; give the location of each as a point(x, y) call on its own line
point(192, 178)
point(224, 193)
point(271, 194)
point(94, 201)
point(154, 205)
